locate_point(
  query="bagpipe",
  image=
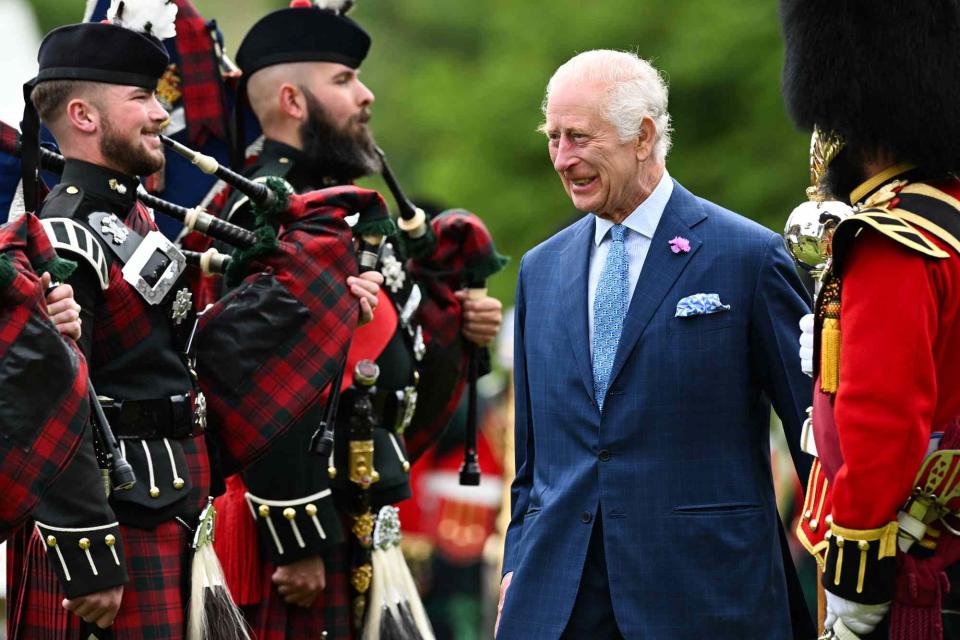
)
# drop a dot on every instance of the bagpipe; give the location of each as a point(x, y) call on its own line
point(450, 252)
point(45, 403)
point(265, 351)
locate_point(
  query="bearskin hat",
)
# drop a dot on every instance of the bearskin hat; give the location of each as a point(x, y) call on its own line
point(884, 75)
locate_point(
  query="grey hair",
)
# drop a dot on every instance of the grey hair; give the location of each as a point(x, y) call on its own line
point(635, 90)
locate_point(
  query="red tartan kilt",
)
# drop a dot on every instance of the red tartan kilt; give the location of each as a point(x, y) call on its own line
point(154, 601)
point(274, 619)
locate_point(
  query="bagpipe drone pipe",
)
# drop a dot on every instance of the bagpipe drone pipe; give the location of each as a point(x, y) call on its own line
point(447, 253)
point(266, 350)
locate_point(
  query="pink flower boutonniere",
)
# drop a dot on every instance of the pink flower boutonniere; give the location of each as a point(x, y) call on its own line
point(679, 245)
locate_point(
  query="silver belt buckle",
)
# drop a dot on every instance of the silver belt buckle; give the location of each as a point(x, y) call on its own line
point(133, 271)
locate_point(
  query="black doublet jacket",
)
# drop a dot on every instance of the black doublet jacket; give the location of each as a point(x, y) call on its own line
point(138, 371)
point(290, 477)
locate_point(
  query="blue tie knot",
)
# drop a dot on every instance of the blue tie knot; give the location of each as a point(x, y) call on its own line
point(616, 232)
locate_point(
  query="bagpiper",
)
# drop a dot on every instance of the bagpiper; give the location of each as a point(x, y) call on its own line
point(875, 83)
point(300, 68)
point(143, 346)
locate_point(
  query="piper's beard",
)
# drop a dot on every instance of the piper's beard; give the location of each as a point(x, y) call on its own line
point(131, 159)
point(344, 154)
point(844, 174)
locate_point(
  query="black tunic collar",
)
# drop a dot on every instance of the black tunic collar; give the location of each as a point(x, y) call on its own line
point(116, 188)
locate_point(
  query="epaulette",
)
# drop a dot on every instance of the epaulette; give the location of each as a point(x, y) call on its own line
point(915, 206)
point(69, 236)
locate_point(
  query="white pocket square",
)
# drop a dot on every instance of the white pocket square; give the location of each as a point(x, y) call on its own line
point(700, 304)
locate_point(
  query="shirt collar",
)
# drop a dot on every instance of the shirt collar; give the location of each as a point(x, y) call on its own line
point(645, 218)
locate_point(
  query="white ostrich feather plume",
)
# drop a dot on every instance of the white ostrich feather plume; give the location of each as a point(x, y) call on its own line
point(153, 17)
point(337, 6)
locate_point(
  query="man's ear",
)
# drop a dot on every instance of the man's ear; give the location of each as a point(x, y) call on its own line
point(646, 139)
point(83, 116)
point(292, 102)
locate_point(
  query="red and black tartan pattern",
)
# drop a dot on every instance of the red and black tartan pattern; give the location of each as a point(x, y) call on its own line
point(202, 84)
point(154, 601)
point(9, 139)
point(274, 619)
point(312, 263)
point(27, 472)
point(463, 241)
point(122, 320)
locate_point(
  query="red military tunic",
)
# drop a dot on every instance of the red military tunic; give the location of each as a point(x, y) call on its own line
point(899, 370)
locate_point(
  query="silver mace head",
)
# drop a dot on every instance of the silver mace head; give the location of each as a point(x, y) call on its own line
point(809, 231)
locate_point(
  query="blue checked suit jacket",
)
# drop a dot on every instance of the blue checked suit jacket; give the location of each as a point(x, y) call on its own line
point(689, 517)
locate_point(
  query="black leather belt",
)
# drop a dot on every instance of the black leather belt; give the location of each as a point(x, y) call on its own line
point(160, 418)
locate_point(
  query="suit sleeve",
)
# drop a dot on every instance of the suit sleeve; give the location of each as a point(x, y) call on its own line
point(523, 437)
point(79, 529)
point(780, 300)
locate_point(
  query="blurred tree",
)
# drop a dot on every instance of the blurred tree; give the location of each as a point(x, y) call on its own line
point(459, 86)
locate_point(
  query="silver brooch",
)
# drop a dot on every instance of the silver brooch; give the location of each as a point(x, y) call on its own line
point(181, 305)
point(393, 274)
point(200, 411)
point(119, 187)
point(111, 224)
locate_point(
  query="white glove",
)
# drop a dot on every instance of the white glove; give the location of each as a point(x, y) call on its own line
point(806, 344)
point(859, 618)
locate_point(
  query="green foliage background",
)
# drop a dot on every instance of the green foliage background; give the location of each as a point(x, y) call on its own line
point(459, 86)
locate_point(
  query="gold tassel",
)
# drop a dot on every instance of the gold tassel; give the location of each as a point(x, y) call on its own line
point(830, 355)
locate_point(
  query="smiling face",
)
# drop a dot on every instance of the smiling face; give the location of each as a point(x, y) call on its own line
point(130, 123)
point(600, 173)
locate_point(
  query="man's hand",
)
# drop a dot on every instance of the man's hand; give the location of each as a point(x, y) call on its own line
point(302, 581)
point(62, 308)
point(859, 618)
point(482, 318)
point(366, 289)
point(806, 344)
point(98, 608)
point(504, 585)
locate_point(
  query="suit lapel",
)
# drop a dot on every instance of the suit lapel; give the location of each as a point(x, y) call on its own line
point(660, 270)
point(574, 294)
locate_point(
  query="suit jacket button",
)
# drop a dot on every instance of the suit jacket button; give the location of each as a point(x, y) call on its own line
point(586, 517)
point(604, 455)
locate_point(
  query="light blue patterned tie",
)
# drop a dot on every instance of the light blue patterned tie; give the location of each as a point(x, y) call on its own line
point(609, 310)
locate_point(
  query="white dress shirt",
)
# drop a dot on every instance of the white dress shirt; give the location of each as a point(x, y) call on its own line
point(640, 226)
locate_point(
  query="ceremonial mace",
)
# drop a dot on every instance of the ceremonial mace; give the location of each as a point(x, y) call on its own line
point(808, 236)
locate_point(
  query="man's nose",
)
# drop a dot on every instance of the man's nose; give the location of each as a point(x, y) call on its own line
point(157, 112)
point(564, 157)
point(365, 96)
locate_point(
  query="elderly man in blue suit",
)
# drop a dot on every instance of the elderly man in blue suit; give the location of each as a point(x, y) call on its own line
point(651, 338)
